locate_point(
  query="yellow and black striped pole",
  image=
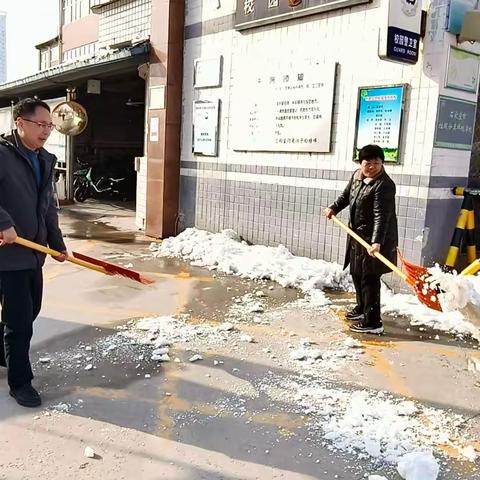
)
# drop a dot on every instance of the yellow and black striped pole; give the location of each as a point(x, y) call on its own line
point(458, 234)
point(470, 235)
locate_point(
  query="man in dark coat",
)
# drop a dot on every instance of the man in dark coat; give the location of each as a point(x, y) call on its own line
point(27, 208)
point(370, 194)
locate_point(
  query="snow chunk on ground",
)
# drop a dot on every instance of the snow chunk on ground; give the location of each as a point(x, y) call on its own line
point(161, 358)
point(88, 452)
point(161, 351)
point(350, 342)
point(226, 253)
point(418, 466)
point(376, 477)
point(246, 338)
point(225, 327)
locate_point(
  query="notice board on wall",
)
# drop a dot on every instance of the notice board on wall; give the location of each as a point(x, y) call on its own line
point(205, 127)
point(284, 108)
point(455, 123)
point(379, 119)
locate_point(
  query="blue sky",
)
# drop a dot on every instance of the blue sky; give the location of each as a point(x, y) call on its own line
point(29, 22)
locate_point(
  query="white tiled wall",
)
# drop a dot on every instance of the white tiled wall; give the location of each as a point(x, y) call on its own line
point(125, 20)
point(349, 37)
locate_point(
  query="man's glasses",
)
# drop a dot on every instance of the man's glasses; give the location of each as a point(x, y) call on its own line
point(49, 126)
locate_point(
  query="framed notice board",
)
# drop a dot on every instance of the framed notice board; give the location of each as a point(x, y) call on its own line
point(455, 123)
point(205, 127)
point(379, 119)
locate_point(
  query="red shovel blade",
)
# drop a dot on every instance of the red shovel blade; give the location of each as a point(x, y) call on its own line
point(114, 269)
point(425, 287)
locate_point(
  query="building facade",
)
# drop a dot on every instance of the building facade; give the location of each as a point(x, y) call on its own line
point(275, 193)
point(3, 47)
point(247, 114)
point(122, 61)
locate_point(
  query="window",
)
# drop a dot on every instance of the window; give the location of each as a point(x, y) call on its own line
point(45, 59)
point(54, 55)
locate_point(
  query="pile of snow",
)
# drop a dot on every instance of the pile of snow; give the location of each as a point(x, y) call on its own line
point(307, 357)
point(459, 290)
point(377, 425)
point(245, 308)
point(419, 314)
point(226, 253)
point(460, 303)
point(163, 331)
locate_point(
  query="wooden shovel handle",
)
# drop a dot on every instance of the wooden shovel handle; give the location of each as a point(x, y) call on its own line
point(48, 251)
point(365, 244)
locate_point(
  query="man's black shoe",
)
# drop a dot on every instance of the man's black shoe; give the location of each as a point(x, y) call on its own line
point(354, 315)
point(362, 328)
point(26, 396)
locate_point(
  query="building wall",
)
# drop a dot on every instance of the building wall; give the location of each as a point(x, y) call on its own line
point(6, 120)
point(124, 20)
point(79, 33)
point(449, 168)
point(273, 198)
point(3, 47)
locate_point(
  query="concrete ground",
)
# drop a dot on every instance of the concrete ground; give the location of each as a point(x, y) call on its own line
point(172, 425)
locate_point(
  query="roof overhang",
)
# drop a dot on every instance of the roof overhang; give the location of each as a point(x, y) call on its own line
point(48, 43)
point(71, 74)
point(99, 7)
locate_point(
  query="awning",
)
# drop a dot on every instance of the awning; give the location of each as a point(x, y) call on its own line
point(98, 8)
point(107, 64)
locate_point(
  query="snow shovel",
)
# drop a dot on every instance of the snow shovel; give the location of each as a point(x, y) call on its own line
point(87, 262)
point(416, 276)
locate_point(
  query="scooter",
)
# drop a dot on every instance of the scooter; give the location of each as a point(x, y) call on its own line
point(84, 186)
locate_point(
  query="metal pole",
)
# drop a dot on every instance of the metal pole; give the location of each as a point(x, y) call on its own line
point(69, 155)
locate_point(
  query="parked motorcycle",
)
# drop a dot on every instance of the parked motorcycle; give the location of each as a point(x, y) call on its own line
point(85, 186)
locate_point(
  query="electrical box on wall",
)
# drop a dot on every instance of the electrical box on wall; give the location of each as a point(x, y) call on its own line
point(94, 87)
point(470, 31)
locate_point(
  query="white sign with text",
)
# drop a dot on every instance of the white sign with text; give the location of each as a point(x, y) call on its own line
point(284, 107)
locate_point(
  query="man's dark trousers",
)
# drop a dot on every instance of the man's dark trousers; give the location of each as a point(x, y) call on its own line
point(367, 288)
point(21, 300)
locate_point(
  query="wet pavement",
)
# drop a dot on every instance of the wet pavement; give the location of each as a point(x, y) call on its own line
point(201, 420)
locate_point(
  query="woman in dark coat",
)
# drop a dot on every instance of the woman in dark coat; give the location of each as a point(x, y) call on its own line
point(370, 194)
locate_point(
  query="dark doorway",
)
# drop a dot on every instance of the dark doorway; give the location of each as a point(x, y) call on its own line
point(106, 150)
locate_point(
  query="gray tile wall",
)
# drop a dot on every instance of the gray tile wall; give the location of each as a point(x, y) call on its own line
point(441, 218)
point(273, 214)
